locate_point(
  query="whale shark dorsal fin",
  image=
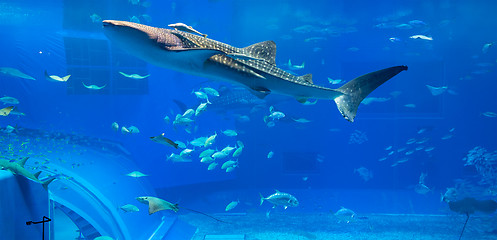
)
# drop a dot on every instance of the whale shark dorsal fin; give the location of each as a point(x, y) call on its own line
point(306, 78)
point(265, 50)
point(23, 161)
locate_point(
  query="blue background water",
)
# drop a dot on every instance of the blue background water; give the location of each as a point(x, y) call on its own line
point(60, 37)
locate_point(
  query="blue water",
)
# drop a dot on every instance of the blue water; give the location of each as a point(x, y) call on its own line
point(335, 39)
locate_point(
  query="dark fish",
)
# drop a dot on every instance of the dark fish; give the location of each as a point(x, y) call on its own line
point(164, 140)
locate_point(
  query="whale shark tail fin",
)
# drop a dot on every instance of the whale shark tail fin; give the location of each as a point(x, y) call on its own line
point(360, 87)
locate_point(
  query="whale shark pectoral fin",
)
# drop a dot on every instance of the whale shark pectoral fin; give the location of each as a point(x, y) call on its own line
point(260, 92)
point(199, 54)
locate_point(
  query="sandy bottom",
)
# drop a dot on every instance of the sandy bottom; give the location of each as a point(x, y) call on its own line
point(280, 226)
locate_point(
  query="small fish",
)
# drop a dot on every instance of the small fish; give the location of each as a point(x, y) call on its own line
point(124, 130)
point(133, 130)
point(422, 189)
point(228, 164)
point(186, 152)
point(210, 140)
point(295, 67)
point(394, 40)
point(314, 39)
point(9, 129)
point(231, 205)
point(129, 208)
point(403, 26)
point(370, 100)
point(95, 18)
point(422, 37)
point(270, 154)
point(94, 87)
point(410, 105)
point(417, 23)
point(423, 140)
point(275, 115)
point(134, 76)
point(436, 90)
point(411, 141)
point(228, 150)
point(115, 126)
point(421, 130)
point(164, 140)
point(180, 144)
point(334, 81)
point(486, 47)
point(212, 166)
point(230, 133)
point(207, 159)
point(489, 114)
point(185, 28)
point(345, 215)
point(281, 199)
point(188, 113)
point(202, 95)
point(448, 136)
point(365, 173)
point(429, 149)
point(146, 17)
point(388, 148)
point(301, 120)
point(237, 152)
point(243, 118)
point(182, 121)
point(200, 108)
point(177, 158)
point(219, 155)
point(206, 153)
point(198, 142)
point(9, 100)
point(56, 78)
point(136, 174)
point(210, 91)
point(134, 19)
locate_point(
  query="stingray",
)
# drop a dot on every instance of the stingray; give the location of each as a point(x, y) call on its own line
point(156, 204)
point(470, 205)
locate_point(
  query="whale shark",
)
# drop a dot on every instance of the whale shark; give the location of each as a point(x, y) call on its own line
point(253, 66)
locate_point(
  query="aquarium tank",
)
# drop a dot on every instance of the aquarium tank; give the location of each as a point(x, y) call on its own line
point(255, 120)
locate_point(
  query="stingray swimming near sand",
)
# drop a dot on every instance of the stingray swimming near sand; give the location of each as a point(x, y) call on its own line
point(469, 206)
